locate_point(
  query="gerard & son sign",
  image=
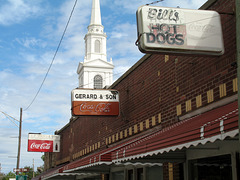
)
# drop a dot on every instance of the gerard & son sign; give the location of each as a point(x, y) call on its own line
point(95, 102)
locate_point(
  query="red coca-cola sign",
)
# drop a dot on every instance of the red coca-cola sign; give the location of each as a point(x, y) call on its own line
point(95, 108)
point(40, 146)
point(43, 143)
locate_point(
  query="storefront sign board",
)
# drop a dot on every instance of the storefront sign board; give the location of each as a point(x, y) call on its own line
point(43, 143)
point(175, 30)
point(95, 102)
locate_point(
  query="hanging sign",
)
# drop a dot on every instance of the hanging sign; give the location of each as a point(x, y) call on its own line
point(175, 30)
point(21, 170)
point(43, 143)
point(95, 102)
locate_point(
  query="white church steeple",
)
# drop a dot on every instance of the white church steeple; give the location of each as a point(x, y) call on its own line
point(96, 14)
point(95, 71)
point(95, 39)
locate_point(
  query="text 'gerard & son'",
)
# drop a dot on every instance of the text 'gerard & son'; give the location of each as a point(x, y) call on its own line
point(95, 96)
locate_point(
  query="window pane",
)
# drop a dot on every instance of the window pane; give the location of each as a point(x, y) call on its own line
point(118, 175)
point(154, 173)
point(97, 46)
point(212, 168)
point(130, 174)
point(98, 82)
point(140, 174)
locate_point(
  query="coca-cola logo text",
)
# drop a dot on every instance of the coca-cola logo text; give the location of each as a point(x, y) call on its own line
point(95, 108)
point(100, 107)
point(40, 146)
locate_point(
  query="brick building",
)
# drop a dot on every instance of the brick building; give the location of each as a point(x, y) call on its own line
point(178, 120)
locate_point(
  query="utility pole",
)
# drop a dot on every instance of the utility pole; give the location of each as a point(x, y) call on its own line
point(19, 140)
point(33, 169)
point(1, 175)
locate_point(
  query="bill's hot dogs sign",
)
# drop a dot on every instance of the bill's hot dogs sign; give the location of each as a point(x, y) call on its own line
point(176, 30)
point(95, 102)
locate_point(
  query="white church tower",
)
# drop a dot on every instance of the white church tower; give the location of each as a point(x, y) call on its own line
point(95, 72)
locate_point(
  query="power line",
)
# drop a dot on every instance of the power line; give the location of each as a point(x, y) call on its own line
point(59, 44)
point(155, 2)
point(9, 117)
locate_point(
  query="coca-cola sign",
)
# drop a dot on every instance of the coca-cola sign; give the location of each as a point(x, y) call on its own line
point(43, 143)
point(95, 102)
point(40, 146)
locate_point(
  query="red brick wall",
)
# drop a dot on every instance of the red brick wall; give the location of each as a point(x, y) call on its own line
point(151, 93)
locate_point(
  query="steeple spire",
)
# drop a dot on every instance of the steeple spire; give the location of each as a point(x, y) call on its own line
point(95, 39)
point(95, 71)
point(96, 14)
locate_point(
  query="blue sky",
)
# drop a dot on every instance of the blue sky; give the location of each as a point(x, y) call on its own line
point(30, 32)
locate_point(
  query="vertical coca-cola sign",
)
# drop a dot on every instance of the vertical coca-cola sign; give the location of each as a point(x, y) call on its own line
point(43, 143)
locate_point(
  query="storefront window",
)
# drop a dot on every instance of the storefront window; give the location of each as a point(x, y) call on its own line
point(140, 174)
point(118, 175)
point(154, 173)
point(93, 178)
point(212, 168)
point(130, 174)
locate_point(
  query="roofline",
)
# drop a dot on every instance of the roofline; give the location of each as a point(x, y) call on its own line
point(207, 4)
point(57, 132)
point(145, 57)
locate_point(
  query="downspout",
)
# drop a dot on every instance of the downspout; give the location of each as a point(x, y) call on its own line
point(237, 6)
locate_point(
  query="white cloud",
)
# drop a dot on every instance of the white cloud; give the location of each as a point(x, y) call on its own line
point(118, 35)
point(122, 39)
point(125, 6)
point(16, 11)
point(131, 7)
point(31, 42)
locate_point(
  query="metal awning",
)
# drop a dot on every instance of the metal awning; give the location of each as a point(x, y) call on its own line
point(166, 144)
point(213, 125)
point(98, 159)
point(68, 176)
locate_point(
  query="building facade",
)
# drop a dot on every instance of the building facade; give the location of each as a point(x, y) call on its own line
point(178, 120)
